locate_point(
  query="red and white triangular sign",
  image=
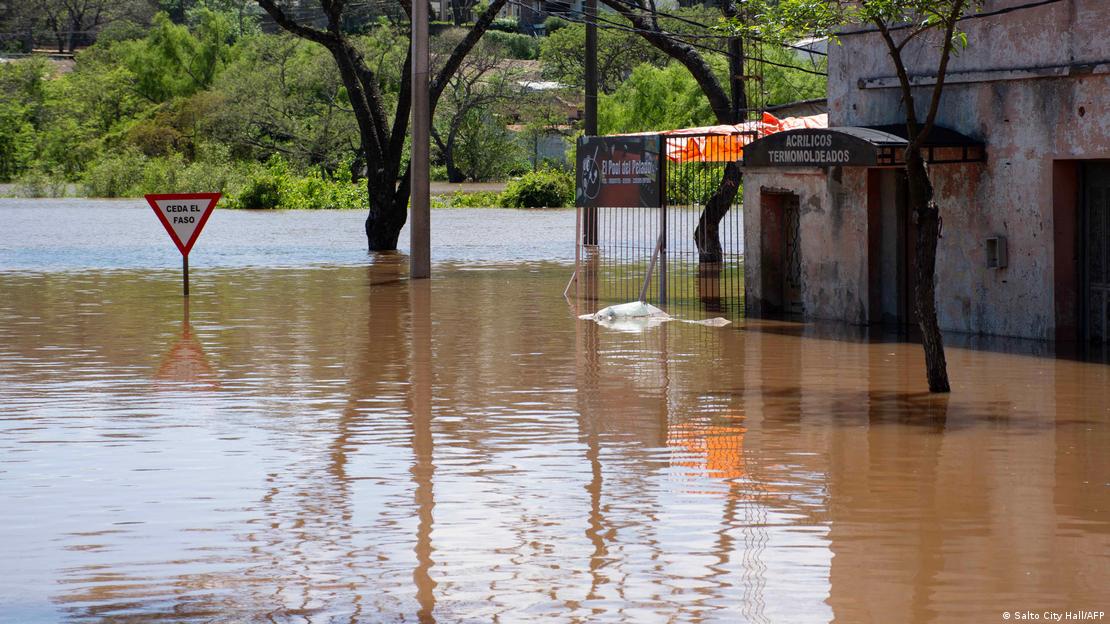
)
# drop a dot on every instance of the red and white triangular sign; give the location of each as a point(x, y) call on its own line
point(183, 215)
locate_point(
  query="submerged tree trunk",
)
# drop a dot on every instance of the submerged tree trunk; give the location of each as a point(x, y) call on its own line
point(926, 216)
point(707, 235)
point(382, 140)
point(388, 213)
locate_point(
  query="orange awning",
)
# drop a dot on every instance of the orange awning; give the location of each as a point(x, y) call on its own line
point(725, 143)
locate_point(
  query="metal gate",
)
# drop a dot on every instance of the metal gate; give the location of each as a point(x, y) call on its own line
point(696, 237)
point(1095, 222)
point(792, 257)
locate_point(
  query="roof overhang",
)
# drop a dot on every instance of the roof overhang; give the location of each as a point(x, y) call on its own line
point(852, 146)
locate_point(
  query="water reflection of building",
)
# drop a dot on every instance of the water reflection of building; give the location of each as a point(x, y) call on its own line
point(937, 508)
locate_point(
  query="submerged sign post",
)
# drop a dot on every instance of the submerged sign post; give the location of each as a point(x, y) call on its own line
point(183, 215)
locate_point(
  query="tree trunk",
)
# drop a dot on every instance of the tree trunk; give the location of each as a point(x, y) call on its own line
point(926, 216)
point(459, 11)
point(381, 142)
point(387, 216)
point(454, 174)
point(707, 235)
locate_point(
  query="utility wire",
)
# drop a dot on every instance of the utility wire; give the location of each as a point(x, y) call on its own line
point(970, 16)
point(691, 22)
point(604, 23)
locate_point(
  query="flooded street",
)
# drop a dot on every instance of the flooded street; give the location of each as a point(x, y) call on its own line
point(314, 438)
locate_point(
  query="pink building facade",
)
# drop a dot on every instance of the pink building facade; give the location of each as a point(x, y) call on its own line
point(1021, 171)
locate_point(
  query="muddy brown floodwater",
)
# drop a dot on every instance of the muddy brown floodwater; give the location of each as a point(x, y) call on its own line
point(334, 443)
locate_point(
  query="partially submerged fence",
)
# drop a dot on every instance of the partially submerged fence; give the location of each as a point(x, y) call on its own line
point(664, 226)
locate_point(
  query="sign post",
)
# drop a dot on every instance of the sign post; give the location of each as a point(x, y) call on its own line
point(183, 215)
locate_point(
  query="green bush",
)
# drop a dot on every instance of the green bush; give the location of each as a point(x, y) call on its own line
point(275, 186)
point(485, 150)
point(554, 23)
point(17, 140)
point(505, 24)
point(213, 172)
point(693, 183)
point(115, 174)
point(262, 190)
point(37, 182)
point(546, 188)
point(521, 47)
point(438, 173)
point(477, 199)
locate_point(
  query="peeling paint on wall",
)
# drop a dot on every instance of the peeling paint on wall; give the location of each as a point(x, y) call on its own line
point(1026, 124)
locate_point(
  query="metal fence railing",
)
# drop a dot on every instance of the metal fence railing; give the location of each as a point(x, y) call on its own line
point(699, 270)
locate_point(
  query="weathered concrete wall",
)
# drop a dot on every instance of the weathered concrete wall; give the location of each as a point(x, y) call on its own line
point(832, 228)
point(1033, 85)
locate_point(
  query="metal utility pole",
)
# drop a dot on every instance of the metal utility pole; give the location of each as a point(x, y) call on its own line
point(736, 71)
point(591, 67)
point(420, 258)
point(589, 221)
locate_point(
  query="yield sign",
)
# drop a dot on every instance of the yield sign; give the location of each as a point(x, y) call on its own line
point(183, 215)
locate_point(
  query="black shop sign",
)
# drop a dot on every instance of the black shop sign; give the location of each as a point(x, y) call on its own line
point(618, 172)
point(810, 148)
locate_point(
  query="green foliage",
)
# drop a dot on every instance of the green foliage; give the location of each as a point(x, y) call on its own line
point(173, 61)
point(261, 190)
point(546, 188)
point(693, 183)
point(212, 172)
point(276, 186)
point(554, 23)
point(115, 174)
point(477, 199)
point(22, 99)
point(16, 141)
point(120, 30)
point(655, 99)
point(484, 149)
point(241, 16)
point(522, 47)
point(781, 20)
point(618, 53)
point(783, 85)
point(504, 24)
point(283, 95)
point(130, 173)
point(37, 182)
point(199, 100)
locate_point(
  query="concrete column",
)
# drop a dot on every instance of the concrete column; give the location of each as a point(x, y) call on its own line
point(420, 216)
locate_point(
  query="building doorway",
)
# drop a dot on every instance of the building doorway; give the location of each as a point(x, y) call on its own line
point(891, 246)
point(1094, 266)
point(781, 273)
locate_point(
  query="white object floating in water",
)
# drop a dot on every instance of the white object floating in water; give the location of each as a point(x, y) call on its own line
point(713, 322)
point(634, 309)
point(638, 316)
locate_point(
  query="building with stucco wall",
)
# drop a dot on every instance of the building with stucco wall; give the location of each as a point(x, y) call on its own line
point(1021, 169)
